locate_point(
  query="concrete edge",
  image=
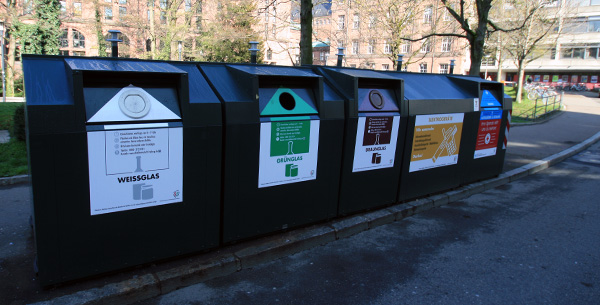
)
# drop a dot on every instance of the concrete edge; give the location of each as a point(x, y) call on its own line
point(272, 248)
point(14, 180)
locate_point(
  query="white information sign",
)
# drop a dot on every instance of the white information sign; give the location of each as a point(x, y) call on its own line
point(288, 152)
point(134, 168)
point(375, 146)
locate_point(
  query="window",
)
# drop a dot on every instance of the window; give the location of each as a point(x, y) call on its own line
point(162, 4)
point(405, 48)
point(269, 54)
point(592, 53)
point(447, 16)
point(64, 40)
point(446, 44)
point(188, 5)
point(426, 47)
point(77, 9)
point(122, 1)
point(199, 7)
point(371, 21)
point(198, 23)
point(27, 7)
point(341, 22)
point(340, 44)
point(444, 69)
point(371, 46)
point(385, 66)
point(488, 61)
point(78, 39)
point(423, 68)
point(387, 48)
point(63, 6)
point(163, 17)
point(122, 12)
point(427, 13)
point(356, 22)
point(108, 15)
point(355, 47)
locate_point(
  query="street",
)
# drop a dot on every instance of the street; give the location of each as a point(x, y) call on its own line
point(533, 241)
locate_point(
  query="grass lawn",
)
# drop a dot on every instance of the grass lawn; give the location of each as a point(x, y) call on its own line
point(7, 110)
point(523, 111)
point(13, 155)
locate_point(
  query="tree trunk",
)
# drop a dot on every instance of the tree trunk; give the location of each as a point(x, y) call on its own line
point(10, 72)
point(520, 74)
point(476, 55)
point(306, 56)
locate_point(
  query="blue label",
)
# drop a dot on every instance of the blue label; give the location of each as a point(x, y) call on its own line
point(489, 100)
point(490, 115)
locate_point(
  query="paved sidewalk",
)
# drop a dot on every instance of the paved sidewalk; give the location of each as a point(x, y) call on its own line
point(528, 144)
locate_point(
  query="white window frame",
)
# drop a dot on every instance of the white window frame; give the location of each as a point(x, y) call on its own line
point(444, 68)
point(423, 67)
point(446, 44)
point(355, 47)
point(427, 15)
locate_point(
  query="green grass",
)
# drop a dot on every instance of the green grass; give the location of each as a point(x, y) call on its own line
point(13, 158)
point(7, 110)
point(13, 155)
point(523, 111)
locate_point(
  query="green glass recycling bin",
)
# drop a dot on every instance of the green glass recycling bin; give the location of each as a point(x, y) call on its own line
point(485, 128)
point(375, 128)
point(282, 147)
point(113, 183)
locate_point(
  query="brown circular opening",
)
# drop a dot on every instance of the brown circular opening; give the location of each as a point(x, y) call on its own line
point(376, 99)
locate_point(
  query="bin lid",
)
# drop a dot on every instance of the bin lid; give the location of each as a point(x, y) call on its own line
point(96, 64)
point(418, 86)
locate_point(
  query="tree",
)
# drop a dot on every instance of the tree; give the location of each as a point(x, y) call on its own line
point(228, 37)
point(523, 45)
point(477, 26)
point(306, 32)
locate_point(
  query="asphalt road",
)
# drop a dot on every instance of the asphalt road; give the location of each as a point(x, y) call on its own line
point(533, 241)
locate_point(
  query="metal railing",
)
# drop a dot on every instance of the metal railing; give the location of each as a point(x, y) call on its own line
point(543, 105)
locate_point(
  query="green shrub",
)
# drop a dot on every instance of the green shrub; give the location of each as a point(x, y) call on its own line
point(19, 123)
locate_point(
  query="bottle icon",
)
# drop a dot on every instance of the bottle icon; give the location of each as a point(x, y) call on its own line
point(291, 170)
point(376, 158)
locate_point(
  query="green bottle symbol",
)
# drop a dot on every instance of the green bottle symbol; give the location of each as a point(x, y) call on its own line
point(291, 170)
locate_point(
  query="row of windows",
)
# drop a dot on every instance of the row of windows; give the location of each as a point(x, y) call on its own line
point(446, 46)
point(427, 19)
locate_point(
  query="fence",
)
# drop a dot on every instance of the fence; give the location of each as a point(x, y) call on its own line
point(542, 106)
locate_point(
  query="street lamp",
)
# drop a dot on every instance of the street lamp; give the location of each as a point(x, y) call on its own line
point(487, 60)
point(3, 63)
point(179, 48)
point(340, 56)
point(399, 65)
point(114, 42)
point(253, 51)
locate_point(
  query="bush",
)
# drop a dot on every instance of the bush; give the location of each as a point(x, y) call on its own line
point(19, 123)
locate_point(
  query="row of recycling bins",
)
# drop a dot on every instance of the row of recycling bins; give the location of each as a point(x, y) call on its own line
point(136, 161)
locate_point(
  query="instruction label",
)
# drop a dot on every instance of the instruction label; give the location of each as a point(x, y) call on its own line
point(436, 141)
point(375, 146)
point(134, 168)
point(488, 133)
point(288, 152)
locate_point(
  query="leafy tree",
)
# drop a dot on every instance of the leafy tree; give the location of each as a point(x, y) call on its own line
point(227, 39)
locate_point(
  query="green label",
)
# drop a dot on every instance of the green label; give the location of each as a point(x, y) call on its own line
point(290, 138)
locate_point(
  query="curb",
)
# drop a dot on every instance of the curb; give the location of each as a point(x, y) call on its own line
point(232, 259)
point(14, 180)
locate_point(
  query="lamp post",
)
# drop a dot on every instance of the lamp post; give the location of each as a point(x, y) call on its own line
point(114, 41)
point(179, 48)
point(487, 59)
point(340, 56)
point(3, 63)
point(399, 65)
point(253, 51)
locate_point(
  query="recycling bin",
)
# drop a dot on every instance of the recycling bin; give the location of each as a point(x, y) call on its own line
point(113, 184)
point(437, 109)
point(484, 128)
point(282, 147)
point(375, 128)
